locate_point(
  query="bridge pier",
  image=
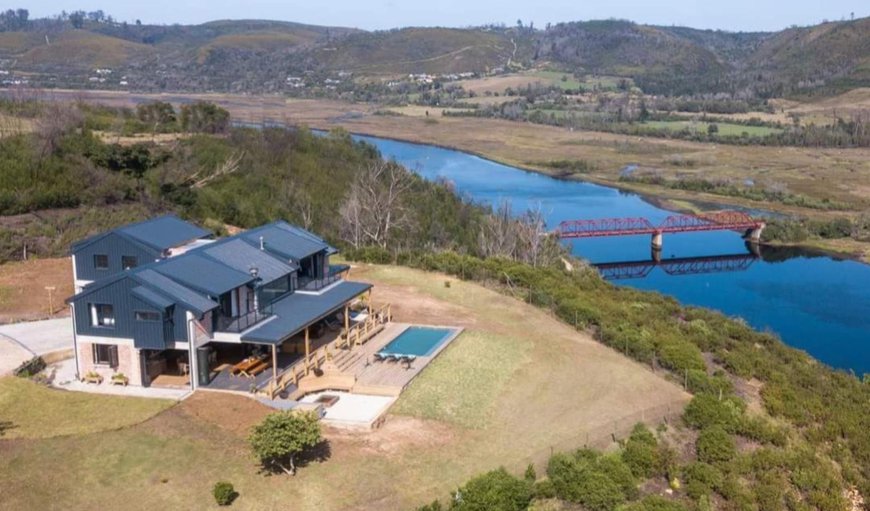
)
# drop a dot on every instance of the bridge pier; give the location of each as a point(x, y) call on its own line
point(657, 240)
point(754, 235)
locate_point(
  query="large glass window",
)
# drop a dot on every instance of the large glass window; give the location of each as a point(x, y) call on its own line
point(101, 261)
point(103, 315)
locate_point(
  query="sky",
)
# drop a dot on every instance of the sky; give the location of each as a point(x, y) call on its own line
point(734, 15)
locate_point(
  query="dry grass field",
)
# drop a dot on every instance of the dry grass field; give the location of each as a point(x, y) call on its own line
point(22, 288)
point(515, 384)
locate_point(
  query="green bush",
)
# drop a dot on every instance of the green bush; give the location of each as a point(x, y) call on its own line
point(599, 483)
point(641, 452)
point(30, 367)
point(706, 410)
point(494, 490)
point(224, 493)
point(715, 445)
point(654, 503)
point(701, 478)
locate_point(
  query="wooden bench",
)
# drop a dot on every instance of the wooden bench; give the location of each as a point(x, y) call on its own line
point(256, 369)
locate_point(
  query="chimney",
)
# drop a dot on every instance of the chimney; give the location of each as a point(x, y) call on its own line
point(262, 244)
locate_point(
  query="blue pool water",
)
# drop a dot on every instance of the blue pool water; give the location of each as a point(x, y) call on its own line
point(813, 301)
point(418, 341)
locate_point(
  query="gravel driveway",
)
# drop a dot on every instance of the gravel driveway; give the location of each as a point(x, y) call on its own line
point(21, 341)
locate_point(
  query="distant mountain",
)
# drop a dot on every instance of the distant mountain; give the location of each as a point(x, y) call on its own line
point(258, 56)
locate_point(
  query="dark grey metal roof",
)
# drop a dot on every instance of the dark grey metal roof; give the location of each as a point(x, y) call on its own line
point(164, 232)
point(152, 297)
point(241, 256)
point(286, 241)
point(175, 291)
point(158, 234)
point(295, 312)
point(203, 274)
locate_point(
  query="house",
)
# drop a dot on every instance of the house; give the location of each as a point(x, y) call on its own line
point(111, 252)
point(195, 312)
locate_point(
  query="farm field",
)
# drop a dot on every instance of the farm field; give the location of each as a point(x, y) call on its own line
point(725, 129)
point(494, 397)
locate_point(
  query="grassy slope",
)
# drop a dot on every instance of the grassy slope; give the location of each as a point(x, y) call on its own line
point(515, 407)
point(418, 50)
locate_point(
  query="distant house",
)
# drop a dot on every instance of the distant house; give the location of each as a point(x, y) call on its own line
point(127, 247)
point(195, 312)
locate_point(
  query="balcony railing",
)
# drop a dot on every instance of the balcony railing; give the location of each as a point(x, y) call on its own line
point(336, 272)
point(238, 324)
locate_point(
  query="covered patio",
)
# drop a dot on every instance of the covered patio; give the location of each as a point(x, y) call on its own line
point(300, 336)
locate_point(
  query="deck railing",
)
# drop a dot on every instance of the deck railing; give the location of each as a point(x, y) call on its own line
point(356, 335)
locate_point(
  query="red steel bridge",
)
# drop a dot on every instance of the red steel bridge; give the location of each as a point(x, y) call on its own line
point(718, 221)
point(676, 266)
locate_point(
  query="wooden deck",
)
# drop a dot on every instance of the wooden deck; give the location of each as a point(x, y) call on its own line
point(356, 370)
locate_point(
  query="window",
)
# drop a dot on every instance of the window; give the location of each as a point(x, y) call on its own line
point(128, 262)
point(147, 316)
point(101, 261)
point(102, 315)
point(106, 354)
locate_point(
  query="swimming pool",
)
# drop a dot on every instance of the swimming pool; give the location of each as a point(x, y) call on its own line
point(418, 341)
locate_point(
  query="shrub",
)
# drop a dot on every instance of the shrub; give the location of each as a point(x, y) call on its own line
point(655, 503)
point(494, 490)
point(284, 435)
point(641, 452)
point(224, 493)
point(701, 478)
point(30, 367)
point(599, 483)
point(706, 410)
point(715, 445)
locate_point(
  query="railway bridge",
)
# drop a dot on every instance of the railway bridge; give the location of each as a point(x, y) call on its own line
point(631, 226)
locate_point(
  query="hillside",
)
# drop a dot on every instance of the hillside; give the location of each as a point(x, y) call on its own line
point(255, 56)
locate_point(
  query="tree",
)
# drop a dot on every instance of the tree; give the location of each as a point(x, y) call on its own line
point(77, 19)
point(374, 206)
point(282, 436)
point(204, 117)
point(712, 128)
point(494, 490)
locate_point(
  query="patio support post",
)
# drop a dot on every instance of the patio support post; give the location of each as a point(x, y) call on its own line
point(369, 302)
point(346, 318)
point(274, 367)
point(307, 350)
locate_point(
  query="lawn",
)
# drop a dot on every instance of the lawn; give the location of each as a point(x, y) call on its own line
point(29, 410)
point(514, 384)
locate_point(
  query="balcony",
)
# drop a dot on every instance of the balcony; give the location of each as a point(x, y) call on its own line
point(335, 273)
point(238, 324)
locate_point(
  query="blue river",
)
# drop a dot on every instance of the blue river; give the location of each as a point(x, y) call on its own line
point(812, 301)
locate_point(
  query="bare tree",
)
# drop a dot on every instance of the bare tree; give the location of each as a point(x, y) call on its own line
point(498, 234)
point(373, 208)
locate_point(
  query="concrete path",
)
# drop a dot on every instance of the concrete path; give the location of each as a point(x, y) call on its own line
point(65, 378)
point(22, 341)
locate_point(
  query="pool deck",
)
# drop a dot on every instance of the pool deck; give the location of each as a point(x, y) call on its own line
point(383, 378)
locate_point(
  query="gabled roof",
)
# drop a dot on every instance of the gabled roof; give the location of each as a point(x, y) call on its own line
point(286, 241)
point(175, 291)
point(154, 298)
point(203, 274)
point(241, 256)
point(159, 234)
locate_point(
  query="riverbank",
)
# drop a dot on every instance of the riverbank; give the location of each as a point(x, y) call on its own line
point(839, 176)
